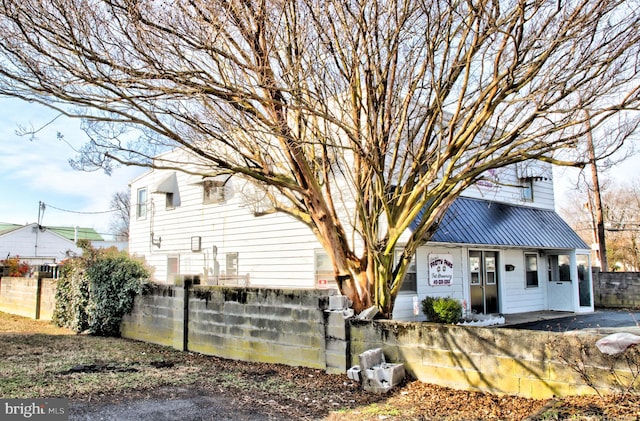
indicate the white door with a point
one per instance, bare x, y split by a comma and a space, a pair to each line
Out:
560, 288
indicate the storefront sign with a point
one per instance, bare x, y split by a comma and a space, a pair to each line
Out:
440, 269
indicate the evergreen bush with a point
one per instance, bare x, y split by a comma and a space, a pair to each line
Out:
442, 309
95, 291
72, 296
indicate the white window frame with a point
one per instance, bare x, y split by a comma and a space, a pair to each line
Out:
169, 201
170, 273
526, 192
213, 192
231, 264
324, 276
141, 205
412, 271
527, 255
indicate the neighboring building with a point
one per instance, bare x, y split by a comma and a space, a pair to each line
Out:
39, 245
501, 247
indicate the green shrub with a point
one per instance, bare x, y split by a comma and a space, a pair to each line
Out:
427, 308
442, 309
115, 281
72, 297
96, 290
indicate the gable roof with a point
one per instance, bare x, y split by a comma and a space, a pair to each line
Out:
83, 233
481, 222
68, 233
4, 228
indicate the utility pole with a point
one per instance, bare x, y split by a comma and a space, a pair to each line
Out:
599, 218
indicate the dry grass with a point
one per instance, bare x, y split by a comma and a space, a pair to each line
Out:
38, 359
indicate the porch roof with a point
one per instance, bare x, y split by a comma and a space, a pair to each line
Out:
482, 222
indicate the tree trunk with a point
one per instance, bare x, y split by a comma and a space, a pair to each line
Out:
602, 246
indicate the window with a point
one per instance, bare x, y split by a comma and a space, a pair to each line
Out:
559, 268
527, 189
141, 208
173, 266
410, 281
531, 268
232, 264
169, 201
323, 270
213, 191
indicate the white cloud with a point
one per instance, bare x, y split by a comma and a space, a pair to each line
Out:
37, 169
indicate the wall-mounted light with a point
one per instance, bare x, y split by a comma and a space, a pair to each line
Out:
509, 268
156, 241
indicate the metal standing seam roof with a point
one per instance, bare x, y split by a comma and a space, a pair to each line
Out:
474, 221
82, 233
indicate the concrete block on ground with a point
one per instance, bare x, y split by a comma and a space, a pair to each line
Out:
383, 378
371, 358
354, 373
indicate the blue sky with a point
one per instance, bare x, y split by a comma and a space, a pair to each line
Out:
34, 170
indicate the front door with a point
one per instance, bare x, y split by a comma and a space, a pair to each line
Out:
483, 281
560, 290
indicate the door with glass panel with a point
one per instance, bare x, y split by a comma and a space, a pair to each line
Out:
560, 291
483, 280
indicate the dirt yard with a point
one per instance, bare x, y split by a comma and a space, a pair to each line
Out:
99, 375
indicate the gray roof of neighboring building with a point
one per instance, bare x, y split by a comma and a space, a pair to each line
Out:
481, 222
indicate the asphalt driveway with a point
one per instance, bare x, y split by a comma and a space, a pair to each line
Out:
603, 321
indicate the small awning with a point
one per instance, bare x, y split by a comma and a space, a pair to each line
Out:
222, 179
533, 170
481, 222
167, 185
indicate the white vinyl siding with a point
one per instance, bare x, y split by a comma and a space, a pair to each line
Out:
278, 251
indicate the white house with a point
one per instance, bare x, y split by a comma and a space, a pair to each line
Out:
501, 247
39, 245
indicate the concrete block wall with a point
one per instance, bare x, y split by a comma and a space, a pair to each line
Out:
616, 289
28, 297
497, 360
47, 298
259, 324
250, 324
337, 340
157, 317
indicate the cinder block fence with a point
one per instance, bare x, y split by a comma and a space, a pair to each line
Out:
29, 297
292, 327
497, 360
299, 328
616, 289
295, 327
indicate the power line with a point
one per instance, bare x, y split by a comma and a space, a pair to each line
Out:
81, 212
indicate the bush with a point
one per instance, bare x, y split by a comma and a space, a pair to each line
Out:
442, 309
115, 281
95, 291
72, 296
13, 267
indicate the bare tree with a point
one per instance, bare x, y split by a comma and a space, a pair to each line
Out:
359, 118
121, 204
620, 221
622, 216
